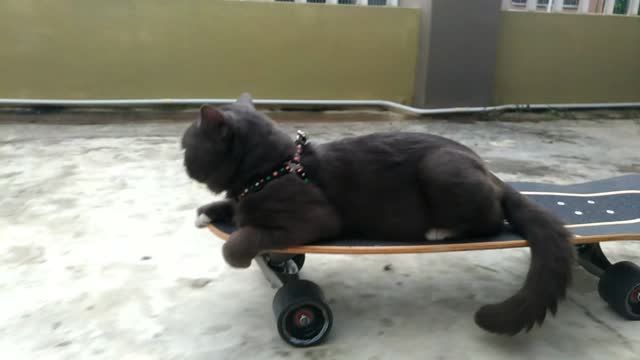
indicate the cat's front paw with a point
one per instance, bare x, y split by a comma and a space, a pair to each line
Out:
202, 220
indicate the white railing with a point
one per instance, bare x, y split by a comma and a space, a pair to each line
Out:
579, 6
393, 3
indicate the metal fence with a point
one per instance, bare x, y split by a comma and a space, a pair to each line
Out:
393, 3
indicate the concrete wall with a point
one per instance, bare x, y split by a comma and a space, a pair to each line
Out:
195, 48
95, 49
565, 58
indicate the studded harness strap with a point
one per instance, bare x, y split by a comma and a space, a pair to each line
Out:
291, 166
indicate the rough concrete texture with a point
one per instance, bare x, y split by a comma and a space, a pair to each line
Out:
99, 257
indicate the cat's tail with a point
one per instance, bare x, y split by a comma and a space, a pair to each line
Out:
552, 256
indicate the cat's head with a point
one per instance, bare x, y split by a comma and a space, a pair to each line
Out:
226, 143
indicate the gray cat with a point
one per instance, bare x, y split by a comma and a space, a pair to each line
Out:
387, 186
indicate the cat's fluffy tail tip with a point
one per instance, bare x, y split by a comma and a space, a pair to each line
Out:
512, 317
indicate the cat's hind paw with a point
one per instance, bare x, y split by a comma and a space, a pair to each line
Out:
438, 234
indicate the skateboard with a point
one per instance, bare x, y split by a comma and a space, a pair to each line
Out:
595, 212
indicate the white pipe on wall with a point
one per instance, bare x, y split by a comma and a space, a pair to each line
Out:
308, 103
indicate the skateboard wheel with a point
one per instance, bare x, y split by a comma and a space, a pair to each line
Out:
302, 316
620, 288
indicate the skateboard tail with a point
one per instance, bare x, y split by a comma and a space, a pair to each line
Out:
549, 274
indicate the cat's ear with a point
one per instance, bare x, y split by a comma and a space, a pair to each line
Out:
246, 99
212, 119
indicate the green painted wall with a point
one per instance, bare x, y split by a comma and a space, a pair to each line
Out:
82, 49
565, 58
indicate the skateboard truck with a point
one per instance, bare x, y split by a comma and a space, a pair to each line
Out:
279, 268
302, 315
592, 259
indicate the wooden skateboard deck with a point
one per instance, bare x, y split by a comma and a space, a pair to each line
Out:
596, 211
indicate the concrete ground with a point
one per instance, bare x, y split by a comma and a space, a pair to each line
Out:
99, 257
